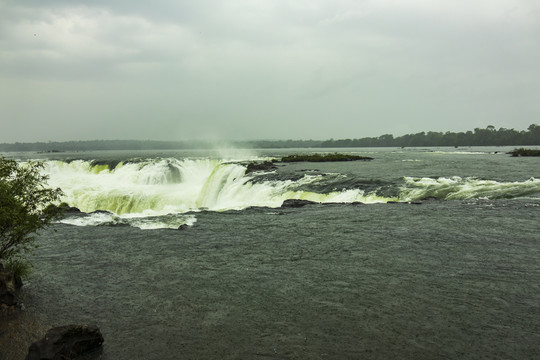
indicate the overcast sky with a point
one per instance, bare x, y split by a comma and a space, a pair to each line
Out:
265, 69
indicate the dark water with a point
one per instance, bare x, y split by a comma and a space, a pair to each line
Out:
453, 277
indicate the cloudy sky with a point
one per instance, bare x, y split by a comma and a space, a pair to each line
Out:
265, 69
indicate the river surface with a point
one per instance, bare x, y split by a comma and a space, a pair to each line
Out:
417, 254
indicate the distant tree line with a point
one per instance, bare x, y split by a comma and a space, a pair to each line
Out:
479, 137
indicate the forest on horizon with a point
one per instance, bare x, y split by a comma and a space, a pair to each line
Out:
490, 136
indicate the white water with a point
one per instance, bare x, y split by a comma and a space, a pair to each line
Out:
157, 193
171, 186
457, 188
145, 223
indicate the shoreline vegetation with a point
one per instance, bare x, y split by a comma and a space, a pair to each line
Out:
489, 136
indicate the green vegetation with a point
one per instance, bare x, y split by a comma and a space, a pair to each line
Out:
324, 158
479, 137
524, 152
26, 205
18, 267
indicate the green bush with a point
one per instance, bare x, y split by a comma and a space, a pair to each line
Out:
18, 267
26, 205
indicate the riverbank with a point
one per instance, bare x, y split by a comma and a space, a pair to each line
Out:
18, 330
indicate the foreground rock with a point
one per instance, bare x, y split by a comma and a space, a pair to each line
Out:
66, 342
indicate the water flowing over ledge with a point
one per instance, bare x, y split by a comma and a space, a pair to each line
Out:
159, 192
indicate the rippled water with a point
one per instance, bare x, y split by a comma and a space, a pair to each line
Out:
457, 276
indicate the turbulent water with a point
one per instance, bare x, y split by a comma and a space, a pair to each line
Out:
152, 192
419, 253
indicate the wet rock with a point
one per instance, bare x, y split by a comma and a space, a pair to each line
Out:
430, 198
71, 210
183, 227
296, 203
9, 286
66, 342
324, 157
524, 152
354, 203
66, 209
7, 297
101, 212
257, 208
115, 224
265, 166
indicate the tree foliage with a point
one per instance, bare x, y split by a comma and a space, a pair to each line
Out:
26, 205
479, 137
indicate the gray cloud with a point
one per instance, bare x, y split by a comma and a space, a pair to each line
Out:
261, 69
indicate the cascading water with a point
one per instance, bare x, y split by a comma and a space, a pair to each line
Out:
164, 186
162, 190
457, 188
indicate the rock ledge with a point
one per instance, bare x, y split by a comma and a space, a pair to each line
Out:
66, 342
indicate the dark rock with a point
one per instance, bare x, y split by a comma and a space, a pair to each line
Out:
71, 211
257, 208
183, 227
430, 198
296, 203
9, 285
115, 224
66, 209
334, 203
66, 342
324, 158
18, 282
354, 203
100, 212
524, 152
265, 166
110, 163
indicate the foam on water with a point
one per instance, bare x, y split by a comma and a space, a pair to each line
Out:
154, 188
164, 186
142, 222
457, 188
